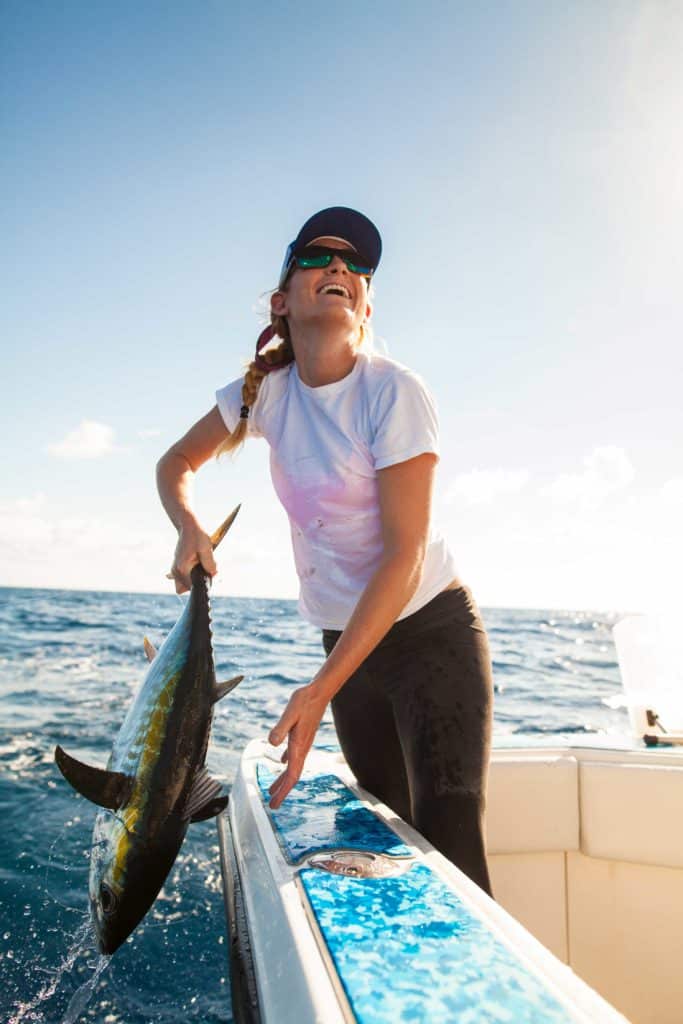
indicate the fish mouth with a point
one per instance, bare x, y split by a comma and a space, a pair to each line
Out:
113, 925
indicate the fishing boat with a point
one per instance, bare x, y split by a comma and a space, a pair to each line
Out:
339, 911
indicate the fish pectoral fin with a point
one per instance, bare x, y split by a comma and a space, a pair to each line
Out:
150, 649
211, 809
224, 688
204, 791
104, 788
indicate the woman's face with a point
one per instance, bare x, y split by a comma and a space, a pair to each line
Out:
325, 294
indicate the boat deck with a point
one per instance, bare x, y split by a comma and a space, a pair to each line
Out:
359, 919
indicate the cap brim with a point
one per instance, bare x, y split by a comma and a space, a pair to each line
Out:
347, 225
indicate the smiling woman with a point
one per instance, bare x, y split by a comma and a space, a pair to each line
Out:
354, 449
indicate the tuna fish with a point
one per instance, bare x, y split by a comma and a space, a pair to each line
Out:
156, 782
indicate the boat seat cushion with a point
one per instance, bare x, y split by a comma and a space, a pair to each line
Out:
532, 804
632, 812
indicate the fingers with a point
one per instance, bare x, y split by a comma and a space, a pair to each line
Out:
294, 757
279, 790
181, 569
194, 547
278, 733
298, 725
283, 786
181, 585
207, 560
182, 582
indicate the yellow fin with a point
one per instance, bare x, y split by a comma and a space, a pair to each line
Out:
220, 533
150, 649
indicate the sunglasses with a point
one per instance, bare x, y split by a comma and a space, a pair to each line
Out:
315, 256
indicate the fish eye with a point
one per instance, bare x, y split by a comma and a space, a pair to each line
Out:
107, 899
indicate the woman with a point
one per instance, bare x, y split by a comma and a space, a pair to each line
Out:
353, 441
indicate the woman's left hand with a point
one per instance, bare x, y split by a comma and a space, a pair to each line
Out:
298, 725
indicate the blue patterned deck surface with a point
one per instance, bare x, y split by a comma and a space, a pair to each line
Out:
407, 949
321, 813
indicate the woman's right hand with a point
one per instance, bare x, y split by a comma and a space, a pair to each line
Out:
193, 547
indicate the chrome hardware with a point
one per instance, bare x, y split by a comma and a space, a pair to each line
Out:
360, 864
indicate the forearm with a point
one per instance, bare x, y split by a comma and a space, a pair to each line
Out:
175, 479
176, 469
385, 596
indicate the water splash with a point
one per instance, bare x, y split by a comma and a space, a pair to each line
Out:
83, 994
53, 864
82, 943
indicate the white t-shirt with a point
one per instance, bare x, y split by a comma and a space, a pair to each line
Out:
326, 445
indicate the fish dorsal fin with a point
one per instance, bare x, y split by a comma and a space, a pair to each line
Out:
220, 533
204, 791
150, 649
224, 688
106, 789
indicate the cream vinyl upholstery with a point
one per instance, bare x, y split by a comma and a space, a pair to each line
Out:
632, 813
533, 804
586, 851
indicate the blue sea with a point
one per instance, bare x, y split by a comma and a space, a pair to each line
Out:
71, 661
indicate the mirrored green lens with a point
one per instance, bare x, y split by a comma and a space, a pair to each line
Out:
319, 257
356, 268
308, 262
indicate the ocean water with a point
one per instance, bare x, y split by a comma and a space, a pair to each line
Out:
70, 662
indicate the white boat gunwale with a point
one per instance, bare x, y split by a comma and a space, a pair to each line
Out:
257, 836
274, 976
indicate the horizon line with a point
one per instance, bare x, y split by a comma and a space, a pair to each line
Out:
565, 609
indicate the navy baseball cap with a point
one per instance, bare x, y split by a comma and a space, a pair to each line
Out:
342, 223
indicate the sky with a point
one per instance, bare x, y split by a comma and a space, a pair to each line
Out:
524, 164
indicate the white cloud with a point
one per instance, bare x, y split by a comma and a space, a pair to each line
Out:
672, 491
481, 486
23, 506
90, 440
610, 544
23, 523
44, 545
606, 470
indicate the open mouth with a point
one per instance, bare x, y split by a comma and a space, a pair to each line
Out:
335, 289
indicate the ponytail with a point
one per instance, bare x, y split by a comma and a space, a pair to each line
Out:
264, 362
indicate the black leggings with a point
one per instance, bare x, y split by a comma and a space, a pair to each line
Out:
414, 723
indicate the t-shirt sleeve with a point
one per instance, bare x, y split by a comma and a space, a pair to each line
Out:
404, 421
229, 402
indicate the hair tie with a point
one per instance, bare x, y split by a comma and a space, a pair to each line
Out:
264, 338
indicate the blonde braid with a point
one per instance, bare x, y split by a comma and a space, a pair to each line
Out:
279, 356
